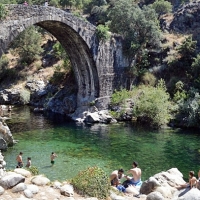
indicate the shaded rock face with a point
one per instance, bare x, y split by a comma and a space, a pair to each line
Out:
186, 20
6, 138
98, 66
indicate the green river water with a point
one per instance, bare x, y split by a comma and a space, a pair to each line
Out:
110, 147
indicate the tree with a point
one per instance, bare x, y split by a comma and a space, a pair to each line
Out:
28, 47
138, 27
161, 7
68, 3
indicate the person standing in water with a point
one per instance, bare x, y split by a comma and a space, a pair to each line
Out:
19, 160
28, 162
53, 156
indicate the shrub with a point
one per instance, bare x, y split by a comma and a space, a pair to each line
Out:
152, 105
162, 7
120, 96
3, 11
25, 96
148, 79
8, 74
57, 77
93, 182
34, 170
189, 110
3, 62
103, 32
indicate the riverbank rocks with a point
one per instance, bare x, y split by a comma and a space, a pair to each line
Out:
10, 180
162, 187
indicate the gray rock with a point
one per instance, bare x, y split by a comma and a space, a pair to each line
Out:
9, 181
19, 187
2, 190
114, 196
33, 188
149, 185
193, 194
67, 190
23, 172
155, 196
28, 193
40, 180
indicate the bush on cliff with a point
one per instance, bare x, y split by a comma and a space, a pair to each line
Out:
3, 11
93, 182
152, 105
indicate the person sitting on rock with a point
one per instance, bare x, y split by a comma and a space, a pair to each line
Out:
135, 179
191, 183
115, 177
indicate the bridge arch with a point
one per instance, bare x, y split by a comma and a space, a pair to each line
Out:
75, 35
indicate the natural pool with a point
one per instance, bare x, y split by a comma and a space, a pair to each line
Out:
110, 147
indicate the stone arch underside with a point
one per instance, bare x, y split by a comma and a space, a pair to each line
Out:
75, 35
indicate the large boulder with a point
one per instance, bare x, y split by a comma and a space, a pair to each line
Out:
40, 180
155, 196
6, 138
10, 180
23, 172
149, 185
67, 190
19, 187
188, 194
164, 183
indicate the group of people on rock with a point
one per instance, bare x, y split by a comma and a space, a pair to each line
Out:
20, 163
133, 180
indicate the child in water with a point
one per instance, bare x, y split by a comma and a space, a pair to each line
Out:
28, 162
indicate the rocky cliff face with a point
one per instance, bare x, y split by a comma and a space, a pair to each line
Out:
186, 20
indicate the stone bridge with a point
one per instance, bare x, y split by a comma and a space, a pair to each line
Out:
97, 65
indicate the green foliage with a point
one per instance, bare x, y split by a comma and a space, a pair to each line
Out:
3, 62
93, 182
115, 114
57, 77
25, 96
189, 110
162, 7
196, 66
152, 105
148, 79
120, 96
8, 74
102, 32
3, 11
28, 47
59, 51
188, 47
139, 27
33, 169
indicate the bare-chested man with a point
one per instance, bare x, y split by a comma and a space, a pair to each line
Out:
19, 160
136, 173
115, 177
